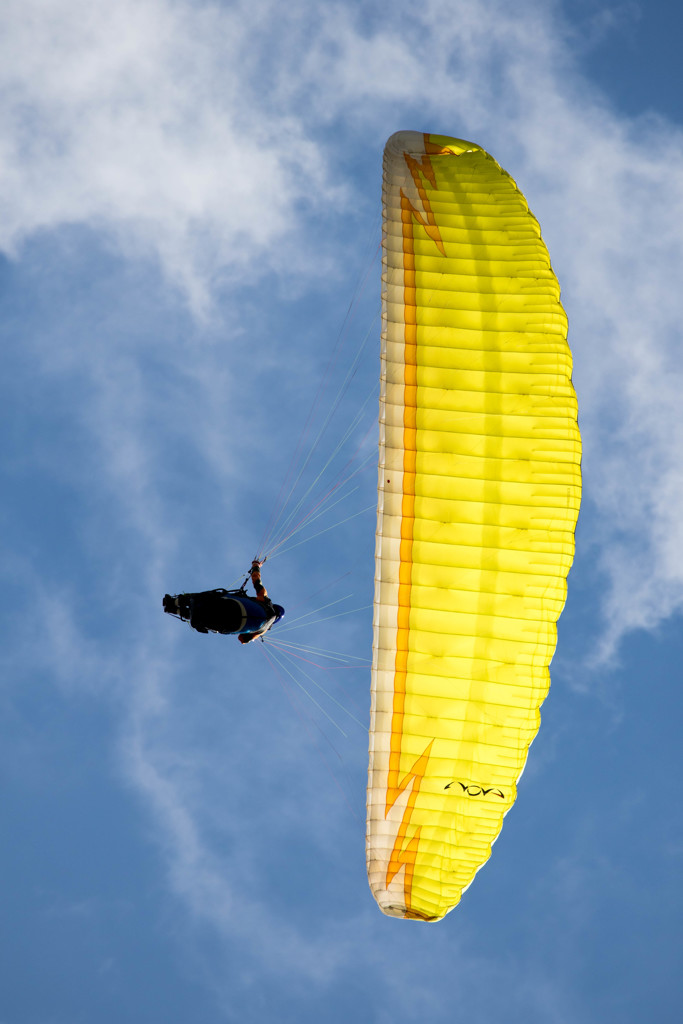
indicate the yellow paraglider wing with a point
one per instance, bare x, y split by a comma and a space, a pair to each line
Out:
479, 490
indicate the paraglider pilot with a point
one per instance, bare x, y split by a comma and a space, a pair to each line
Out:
228, 611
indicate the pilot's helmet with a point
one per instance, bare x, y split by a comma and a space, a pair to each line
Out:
279, 612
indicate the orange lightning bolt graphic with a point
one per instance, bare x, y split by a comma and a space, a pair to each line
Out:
405, 849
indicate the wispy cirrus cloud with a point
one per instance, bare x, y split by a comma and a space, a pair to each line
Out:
141, 121
181, 132
222, 142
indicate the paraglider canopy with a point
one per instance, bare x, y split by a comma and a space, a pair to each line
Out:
478, 495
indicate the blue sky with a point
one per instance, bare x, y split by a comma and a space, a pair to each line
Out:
190, 196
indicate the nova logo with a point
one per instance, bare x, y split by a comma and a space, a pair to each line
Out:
474, 789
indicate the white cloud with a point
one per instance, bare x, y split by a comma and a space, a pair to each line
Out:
139, 119
195, 135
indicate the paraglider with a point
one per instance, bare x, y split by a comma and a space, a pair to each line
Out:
228, 611
478, 497
479, 488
